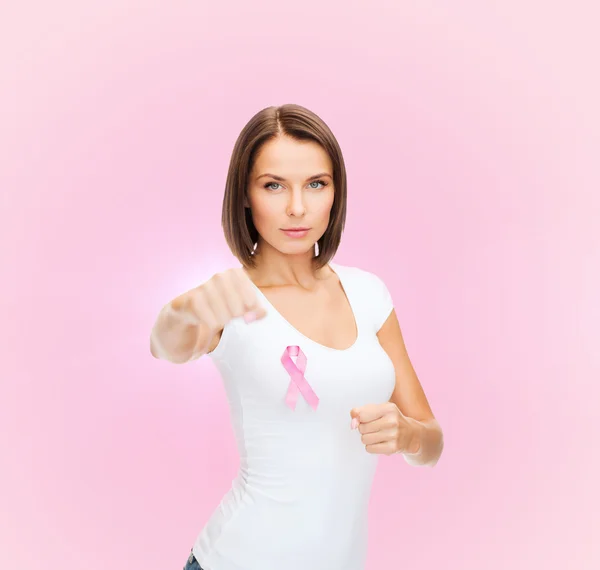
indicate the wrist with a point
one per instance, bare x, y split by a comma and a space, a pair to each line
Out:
415, 446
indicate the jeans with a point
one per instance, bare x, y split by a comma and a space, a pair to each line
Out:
192, 563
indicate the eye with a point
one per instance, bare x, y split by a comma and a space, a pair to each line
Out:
269, 185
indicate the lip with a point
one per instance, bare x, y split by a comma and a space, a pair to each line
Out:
296, 233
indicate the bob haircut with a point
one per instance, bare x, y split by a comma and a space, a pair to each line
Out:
299, 124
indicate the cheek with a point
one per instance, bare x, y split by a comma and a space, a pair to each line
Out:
324, 207
265, 213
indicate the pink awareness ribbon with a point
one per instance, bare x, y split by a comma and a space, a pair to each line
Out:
298, 381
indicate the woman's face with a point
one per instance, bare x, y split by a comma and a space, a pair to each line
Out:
290, 186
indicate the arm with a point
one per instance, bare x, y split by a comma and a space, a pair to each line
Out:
408, 395
428, 443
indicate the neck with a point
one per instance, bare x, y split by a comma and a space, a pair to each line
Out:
276, 269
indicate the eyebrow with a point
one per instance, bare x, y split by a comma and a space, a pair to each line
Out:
322, 175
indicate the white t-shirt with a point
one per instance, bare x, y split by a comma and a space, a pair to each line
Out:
301, 495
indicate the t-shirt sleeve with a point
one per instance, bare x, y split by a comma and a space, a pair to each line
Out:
383, 303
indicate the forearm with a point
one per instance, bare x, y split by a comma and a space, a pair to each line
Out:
427, 444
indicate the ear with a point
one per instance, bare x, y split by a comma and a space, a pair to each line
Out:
246, 203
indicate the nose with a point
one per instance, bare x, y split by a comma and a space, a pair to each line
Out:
296, 204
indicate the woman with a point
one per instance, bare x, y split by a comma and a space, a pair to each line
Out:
301, 496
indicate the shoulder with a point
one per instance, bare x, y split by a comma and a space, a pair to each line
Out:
363, 278
371, 290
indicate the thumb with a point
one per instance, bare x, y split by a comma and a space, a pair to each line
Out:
257, 312
355, 418
260, 312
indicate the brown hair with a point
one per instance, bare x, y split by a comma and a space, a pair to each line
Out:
300, 124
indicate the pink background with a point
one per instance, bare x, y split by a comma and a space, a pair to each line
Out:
471, 136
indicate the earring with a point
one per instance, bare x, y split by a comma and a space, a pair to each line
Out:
254, 248
316, 249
